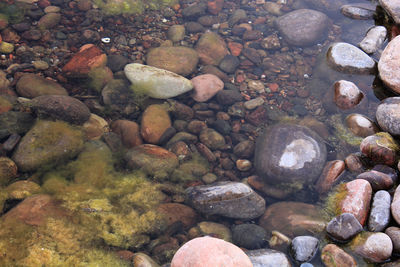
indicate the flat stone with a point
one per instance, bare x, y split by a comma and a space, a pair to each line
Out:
389, 62
377, 179
155, 82
268, 258
347, 58
379, 216
392, 7
303, 27
343, 227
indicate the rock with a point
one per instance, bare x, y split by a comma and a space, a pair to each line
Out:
212, 139
392, 8
381, 148
211, 48
155, 121
128, 131
116, 62
254, 103
253, 55
194, 11
196, 126
330, 174
228, 97
177, 59
180, 111
229, 199
155, 82
304, 248
359, 10
194, 27
354, 163
243, 165
395, 206
303, 27
333, 256
13, 122
379, 216
47, 143
31, 85
211, 229
175, 212
347, 58
222, 126
249, 236
394, 234
229, 64
205, 86
82, 63
176, 33
118, 97
293, 219
140, 259
373, 39
215, 6
361, 125
244, 149
20, 190
289, 154
387, 115
182, 136
374, 247
211, 69
60, 107
347, 94
377, 179
6, 103
268, 258
237, 16
355, 199
6, 48
49, 21
210, 252
152, 159
343, 227
95, 127
8, 170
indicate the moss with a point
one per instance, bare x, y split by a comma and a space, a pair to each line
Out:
190, 170
387, 141
341, 132
116, 7
98, 78
332, 202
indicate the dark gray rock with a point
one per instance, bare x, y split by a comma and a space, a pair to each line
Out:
228, 97
343, 227
268, 258
304, 248
249, 236
379, 216
229, 199
194, 11
229, 64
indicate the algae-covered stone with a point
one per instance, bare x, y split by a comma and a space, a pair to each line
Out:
211, 229
211, 48
48, 143
8, 170
178, 59
22, 189
155, 82
155, 121
49, 21
6, 48
31, 85
14, 122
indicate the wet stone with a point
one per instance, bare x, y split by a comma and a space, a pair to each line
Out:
381, 148
389, 63
176, 33
303, 27
374, 39
359, 11
237, 16
117, 96
211, 48
392, 7
8, 170
249, 236
128, 131
141, 259
343, 227
377, 179
254, 103
347, 58
374, 247
212, 139
31, 85
268, 258
194, 11
13, 122
379, 216
176, 212
205, 86
229, 64
228, 199
194, 27
387, 115
116, 62
394, 233
395, 206
361, 125
155, 122
211, 229
333, 256
330, 174
304, 248
228, 97
347, 94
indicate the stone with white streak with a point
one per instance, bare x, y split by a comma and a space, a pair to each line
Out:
373, 40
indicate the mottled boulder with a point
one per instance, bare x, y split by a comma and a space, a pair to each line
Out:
211, 48
229, 199
32, 85
303, 27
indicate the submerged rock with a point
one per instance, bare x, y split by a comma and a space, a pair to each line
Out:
13, 122
387, 115
155, 122
155, 82
268, 258
374, 39
211, 48
374, 247
343, 227
393, 8
32, 85
361, 125
249, 236
359, 10
347, 94
381, 148
333, 256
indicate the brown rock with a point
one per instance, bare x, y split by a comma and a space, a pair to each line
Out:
31, 85
128, 132
354, 163
361, 125
330, 174
211, 48
175, 212
214, 7
377, 179
347, 94
95, 127
155, 121
333, 256
8, 170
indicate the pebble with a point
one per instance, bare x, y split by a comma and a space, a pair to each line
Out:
268, 258
361, 125
359, 11
333, 256
128, 131
206, 86
229, 64
243, 165
343, 227
212, 139
387, 115
6, 47
379, 216
176, 33
304, 248
347, 94
176, 212
211, 48
377, 179
374, 247
373, 39
249, 236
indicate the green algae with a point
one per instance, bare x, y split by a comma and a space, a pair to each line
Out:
116, 7
341, 132
333, 200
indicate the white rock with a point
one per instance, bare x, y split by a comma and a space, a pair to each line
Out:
373, 40
155, 82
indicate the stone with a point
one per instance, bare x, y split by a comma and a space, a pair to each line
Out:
212, 139
394, 233
116, 62
373, 39
392, 8
13, 122
196, 126
374, 247
176, 33
128, 131
153, 160
249, 236
194, 11
387, 115
176, 212
228, 199
155, 121
8, 170
194, 27
343, 227
49, 21
243, 165
48, 143
237, 16
304, 248
347, 58
31, 85
210, 252
360, 125
379, 216
177, 59
211, 229
82, 63
268, 258
347, 94
206, 86
377, 179
395, 206
118, 97
254, 103
211, 48
6, 48
95, 127
60, 107
215, 6
293, 219
180, 111
355, 199
244, 149
381, 148
303, 27
354, 163
140, 259
359, 10
330, 175
333, 256
20, 190
155, 82
229, 64
289, 154
228, 97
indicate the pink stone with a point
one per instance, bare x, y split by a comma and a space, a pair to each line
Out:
331, 172
395, 207
210, 252
358, 198
206, 86
347, 94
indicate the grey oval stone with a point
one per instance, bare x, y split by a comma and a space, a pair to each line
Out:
304, 248
388, 115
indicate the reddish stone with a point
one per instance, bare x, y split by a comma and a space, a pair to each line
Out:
332, 171
88, 58
125, 255
128, 132
235, 48
273, 87
44, 3
380, 148
214, 7
357, 199
333, 256
175, 212
258, 116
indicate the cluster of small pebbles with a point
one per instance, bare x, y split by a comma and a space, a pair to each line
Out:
245, 113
